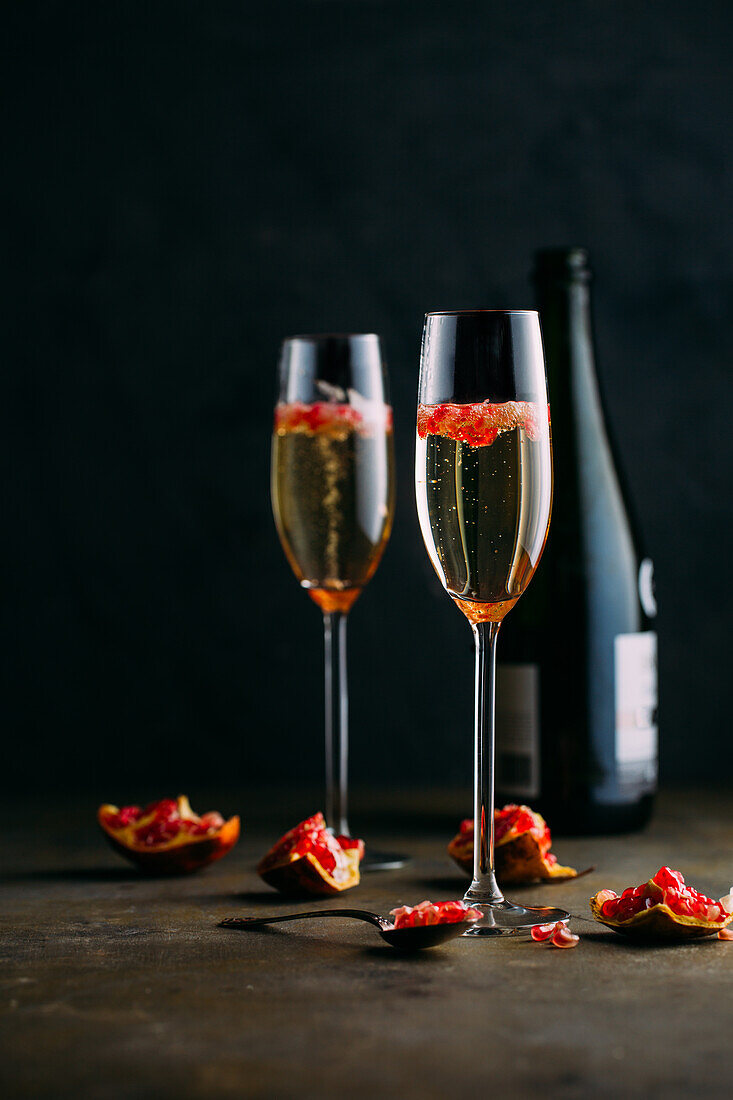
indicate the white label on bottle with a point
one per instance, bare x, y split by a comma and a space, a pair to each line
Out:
518, 730
635, 658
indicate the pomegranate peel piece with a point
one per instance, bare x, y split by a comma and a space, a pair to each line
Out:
167, 837
664, 908
308, 859
522, 842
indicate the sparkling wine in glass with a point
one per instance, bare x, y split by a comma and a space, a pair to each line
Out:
333, 500
483, 477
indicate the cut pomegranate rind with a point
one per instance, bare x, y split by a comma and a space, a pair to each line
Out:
522, 841
662, 908
725, 934
480, 424
167, 837
428, 912
332, 418
310, 860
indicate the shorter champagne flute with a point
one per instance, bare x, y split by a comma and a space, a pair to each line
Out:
333, 500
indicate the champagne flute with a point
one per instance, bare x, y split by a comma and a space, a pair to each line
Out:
333, 500
483, 478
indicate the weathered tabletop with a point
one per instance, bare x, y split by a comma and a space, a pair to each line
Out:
116, 986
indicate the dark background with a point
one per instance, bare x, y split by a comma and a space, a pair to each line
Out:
185, 184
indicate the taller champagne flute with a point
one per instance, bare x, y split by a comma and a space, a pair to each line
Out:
483, 476
333, 500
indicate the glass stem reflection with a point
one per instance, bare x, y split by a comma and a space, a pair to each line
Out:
484, 889
337, 722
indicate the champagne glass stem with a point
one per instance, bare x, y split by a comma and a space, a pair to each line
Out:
483, 889
337, 721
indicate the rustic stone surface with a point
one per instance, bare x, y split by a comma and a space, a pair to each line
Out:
114, 986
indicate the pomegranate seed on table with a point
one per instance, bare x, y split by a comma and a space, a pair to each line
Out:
563, 937
558, 935
542, 932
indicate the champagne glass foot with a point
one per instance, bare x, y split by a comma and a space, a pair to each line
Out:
503, 918
375, 860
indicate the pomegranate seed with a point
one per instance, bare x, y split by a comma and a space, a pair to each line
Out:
163, 808
128, 814
542, 932
665, 877
625, 908
563, 937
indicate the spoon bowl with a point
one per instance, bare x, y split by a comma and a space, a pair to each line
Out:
403, 939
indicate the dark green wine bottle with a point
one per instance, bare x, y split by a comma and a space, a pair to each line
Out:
577, 678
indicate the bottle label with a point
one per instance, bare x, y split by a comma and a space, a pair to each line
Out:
635, 657
518, 730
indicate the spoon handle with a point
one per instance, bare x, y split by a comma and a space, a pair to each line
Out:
254, 922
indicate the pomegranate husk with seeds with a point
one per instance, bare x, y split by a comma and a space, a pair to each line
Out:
167, 837
310, 860
663, 908
521, 848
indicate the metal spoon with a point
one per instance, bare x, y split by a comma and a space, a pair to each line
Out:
404, 939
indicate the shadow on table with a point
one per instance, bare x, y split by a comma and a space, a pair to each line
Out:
73, 874
626, 943
339, 940
268, 897
383, 951
276, 901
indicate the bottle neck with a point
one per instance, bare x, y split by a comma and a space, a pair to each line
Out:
582, 450
564, 307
